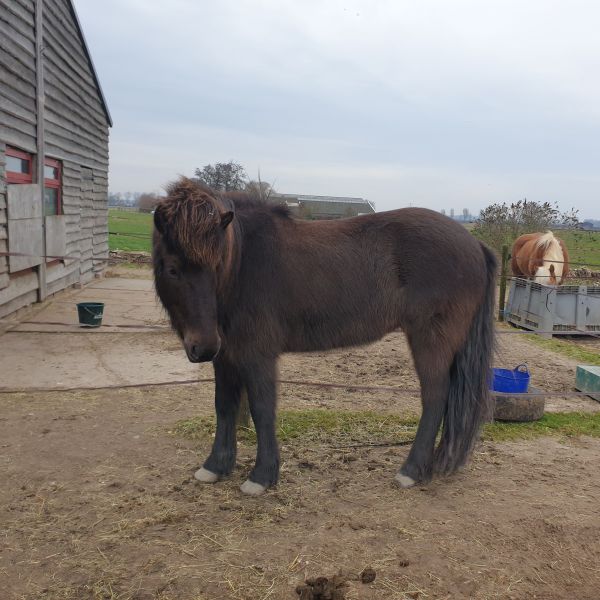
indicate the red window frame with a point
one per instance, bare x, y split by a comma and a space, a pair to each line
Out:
55, 183
12, 176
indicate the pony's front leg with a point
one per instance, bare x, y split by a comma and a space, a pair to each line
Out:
228, 388
260, 377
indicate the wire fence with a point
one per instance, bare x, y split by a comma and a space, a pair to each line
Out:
113, 258
144, 326
145, 236
75, 257
149, 236
140, 259
402, 391
323, 385
570, 263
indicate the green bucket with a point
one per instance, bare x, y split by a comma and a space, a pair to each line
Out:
90, 313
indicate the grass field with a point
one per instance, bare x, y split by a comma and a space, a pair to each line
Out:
568, 348
129, 231
583, 246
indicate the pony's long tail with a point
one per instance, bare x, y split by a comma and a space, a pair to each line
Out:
469, 401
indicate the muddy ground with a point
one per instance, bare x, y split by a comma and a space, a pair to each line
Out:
98, 502
97, 498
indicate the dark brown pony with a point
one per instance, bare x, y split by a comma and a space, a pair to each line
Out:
540, 256
243, 282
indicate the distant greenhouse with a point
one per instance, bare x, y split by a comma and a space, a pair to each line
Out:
324, 207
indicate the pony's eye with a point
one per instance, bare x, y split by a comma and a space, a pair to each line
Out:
172, 272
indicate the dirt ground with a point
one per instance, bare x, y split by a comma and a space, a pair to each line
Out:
98, 501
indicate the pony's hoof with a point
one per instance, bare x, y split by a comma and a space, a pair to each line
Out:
404, 481
252, 489
206, 476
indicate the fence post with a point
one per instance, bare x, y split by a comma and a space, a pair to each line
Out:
503, 272
244, 411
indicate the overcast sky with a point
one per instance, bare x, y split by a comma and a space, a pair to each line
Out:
431, 103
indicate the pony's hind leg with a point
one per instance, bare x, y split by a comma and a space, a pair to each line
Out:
228, 387
432, 361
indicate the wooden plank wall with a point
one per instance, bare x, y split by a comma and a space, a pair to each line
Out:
76, 133
17, 73
18, 122
4, 278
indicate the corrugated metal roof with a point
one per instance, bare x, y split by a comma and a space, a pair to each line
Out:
325, 199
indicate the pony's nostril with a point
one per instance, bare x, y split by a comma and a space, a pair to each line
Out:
207, 356
198, 353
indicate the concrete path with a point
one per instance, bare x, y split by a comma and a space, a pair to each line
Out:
47, 348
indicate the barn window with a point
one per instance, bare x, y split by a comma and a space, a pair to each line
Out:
18, 166
52, 187
19, 169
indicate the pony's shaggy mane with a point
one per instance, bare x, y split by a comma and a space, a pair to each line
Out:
253, 200
189, 219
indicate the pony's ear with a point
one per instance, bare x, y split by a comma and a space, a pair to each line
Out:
226, 218
159, 221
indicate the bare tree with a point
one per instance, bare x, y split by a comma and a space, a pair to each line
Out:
501, 224
147, 202
224, 177
260, 189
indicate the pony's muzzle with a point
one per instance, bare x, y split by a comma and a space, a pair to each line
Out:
197, 352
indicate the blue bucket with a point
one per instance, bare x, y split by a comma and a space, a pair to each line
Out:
511, 380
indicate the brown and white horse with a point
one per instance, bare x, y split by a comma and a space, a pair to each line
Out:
540, 256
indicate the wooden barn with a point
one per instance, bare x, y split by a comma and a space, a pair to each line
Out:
54, 125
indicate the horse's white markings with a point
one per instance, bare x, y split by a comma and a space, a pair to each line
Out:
553, 256
251, 488
405, 481
206, 476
